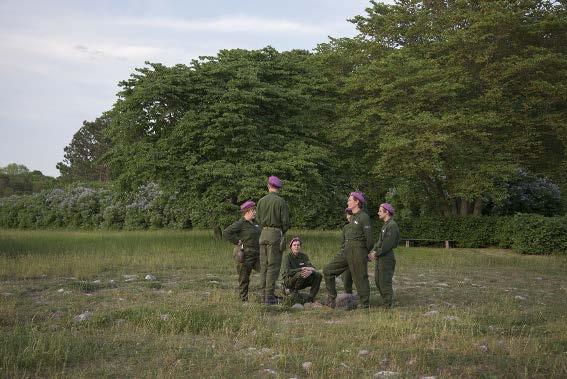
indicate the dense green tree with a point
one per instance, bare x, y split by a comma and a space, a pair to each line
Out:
453, 96
84, 156
435, 105
212, 132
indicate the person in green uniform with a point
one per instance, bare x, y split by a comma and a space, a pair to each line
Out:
273, 216
346, 276
383, 254
245, 234
358, 242
298, 272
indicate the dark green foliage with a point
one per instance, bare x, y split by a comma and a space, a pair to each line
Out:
465, 231
84, 156
212, 133
17, 179
524, 233
449, 98
536, 234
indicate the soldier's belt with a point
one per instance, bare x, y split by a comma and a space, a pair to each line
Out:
271, 227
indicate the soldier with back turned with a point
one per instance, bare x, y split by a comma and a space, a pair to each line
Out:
273, 216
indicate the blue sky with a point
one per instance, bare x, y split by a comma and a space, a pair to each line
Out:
61, 60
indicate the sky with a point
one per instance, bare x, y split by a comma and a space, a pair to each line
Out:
61, 61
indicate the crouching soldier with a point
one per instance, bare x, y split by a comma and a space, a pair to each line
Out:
298, 272
245, 234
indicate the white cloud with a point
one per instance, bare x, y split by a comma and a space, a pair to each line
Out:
37, 54
225, 24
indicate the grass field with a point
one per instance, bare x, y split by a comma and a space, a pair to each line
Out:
459, 313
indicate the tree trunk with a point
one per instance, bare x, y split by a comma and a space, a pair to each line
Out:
464, 211
454, 207
477, 211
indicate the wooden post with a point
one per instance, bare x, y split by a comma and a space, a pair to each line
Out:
407, 243
447, 245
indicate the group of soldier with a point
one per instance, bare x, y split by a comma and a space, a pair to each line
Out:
259, 244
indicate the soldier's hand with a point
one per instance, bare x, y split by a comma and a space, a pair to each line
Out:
305, 273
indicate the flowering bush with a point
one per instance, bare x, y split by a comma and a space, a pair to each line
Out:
84, 207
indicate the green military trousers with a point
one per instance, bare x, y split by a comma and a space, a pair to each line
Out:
270, 260
244, 269
347, 281
297, 282
355, 259
384, 272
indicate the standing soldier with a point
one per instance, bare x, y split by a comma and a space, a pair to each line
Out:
245, 233
273, 216
383, 254
357, 244
346, 276
298, 272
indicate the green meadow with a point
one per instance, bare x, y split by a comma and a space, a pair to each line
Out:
78, 304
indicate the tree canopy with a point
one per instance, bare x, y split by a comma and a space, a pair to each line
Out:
213, 131
459, 95
434, 105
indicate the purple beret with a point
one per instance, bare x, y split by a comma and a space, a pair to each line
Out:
247, 205
274, 181
358, 196
348, 211
293, 240
388, 207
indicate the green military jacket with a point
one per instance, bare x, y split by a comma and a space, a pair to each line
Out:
248, 232
292, 264
359, 229
272, 211
389, 238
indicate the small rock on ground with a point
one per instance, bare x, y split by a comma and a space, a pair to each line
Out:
83, 316
450, 318
387, 374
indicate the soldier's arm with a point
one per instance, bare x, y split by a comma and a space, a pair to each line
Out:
260, 213
378, 245
287, 266
391, 238
286, 222
231, 233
